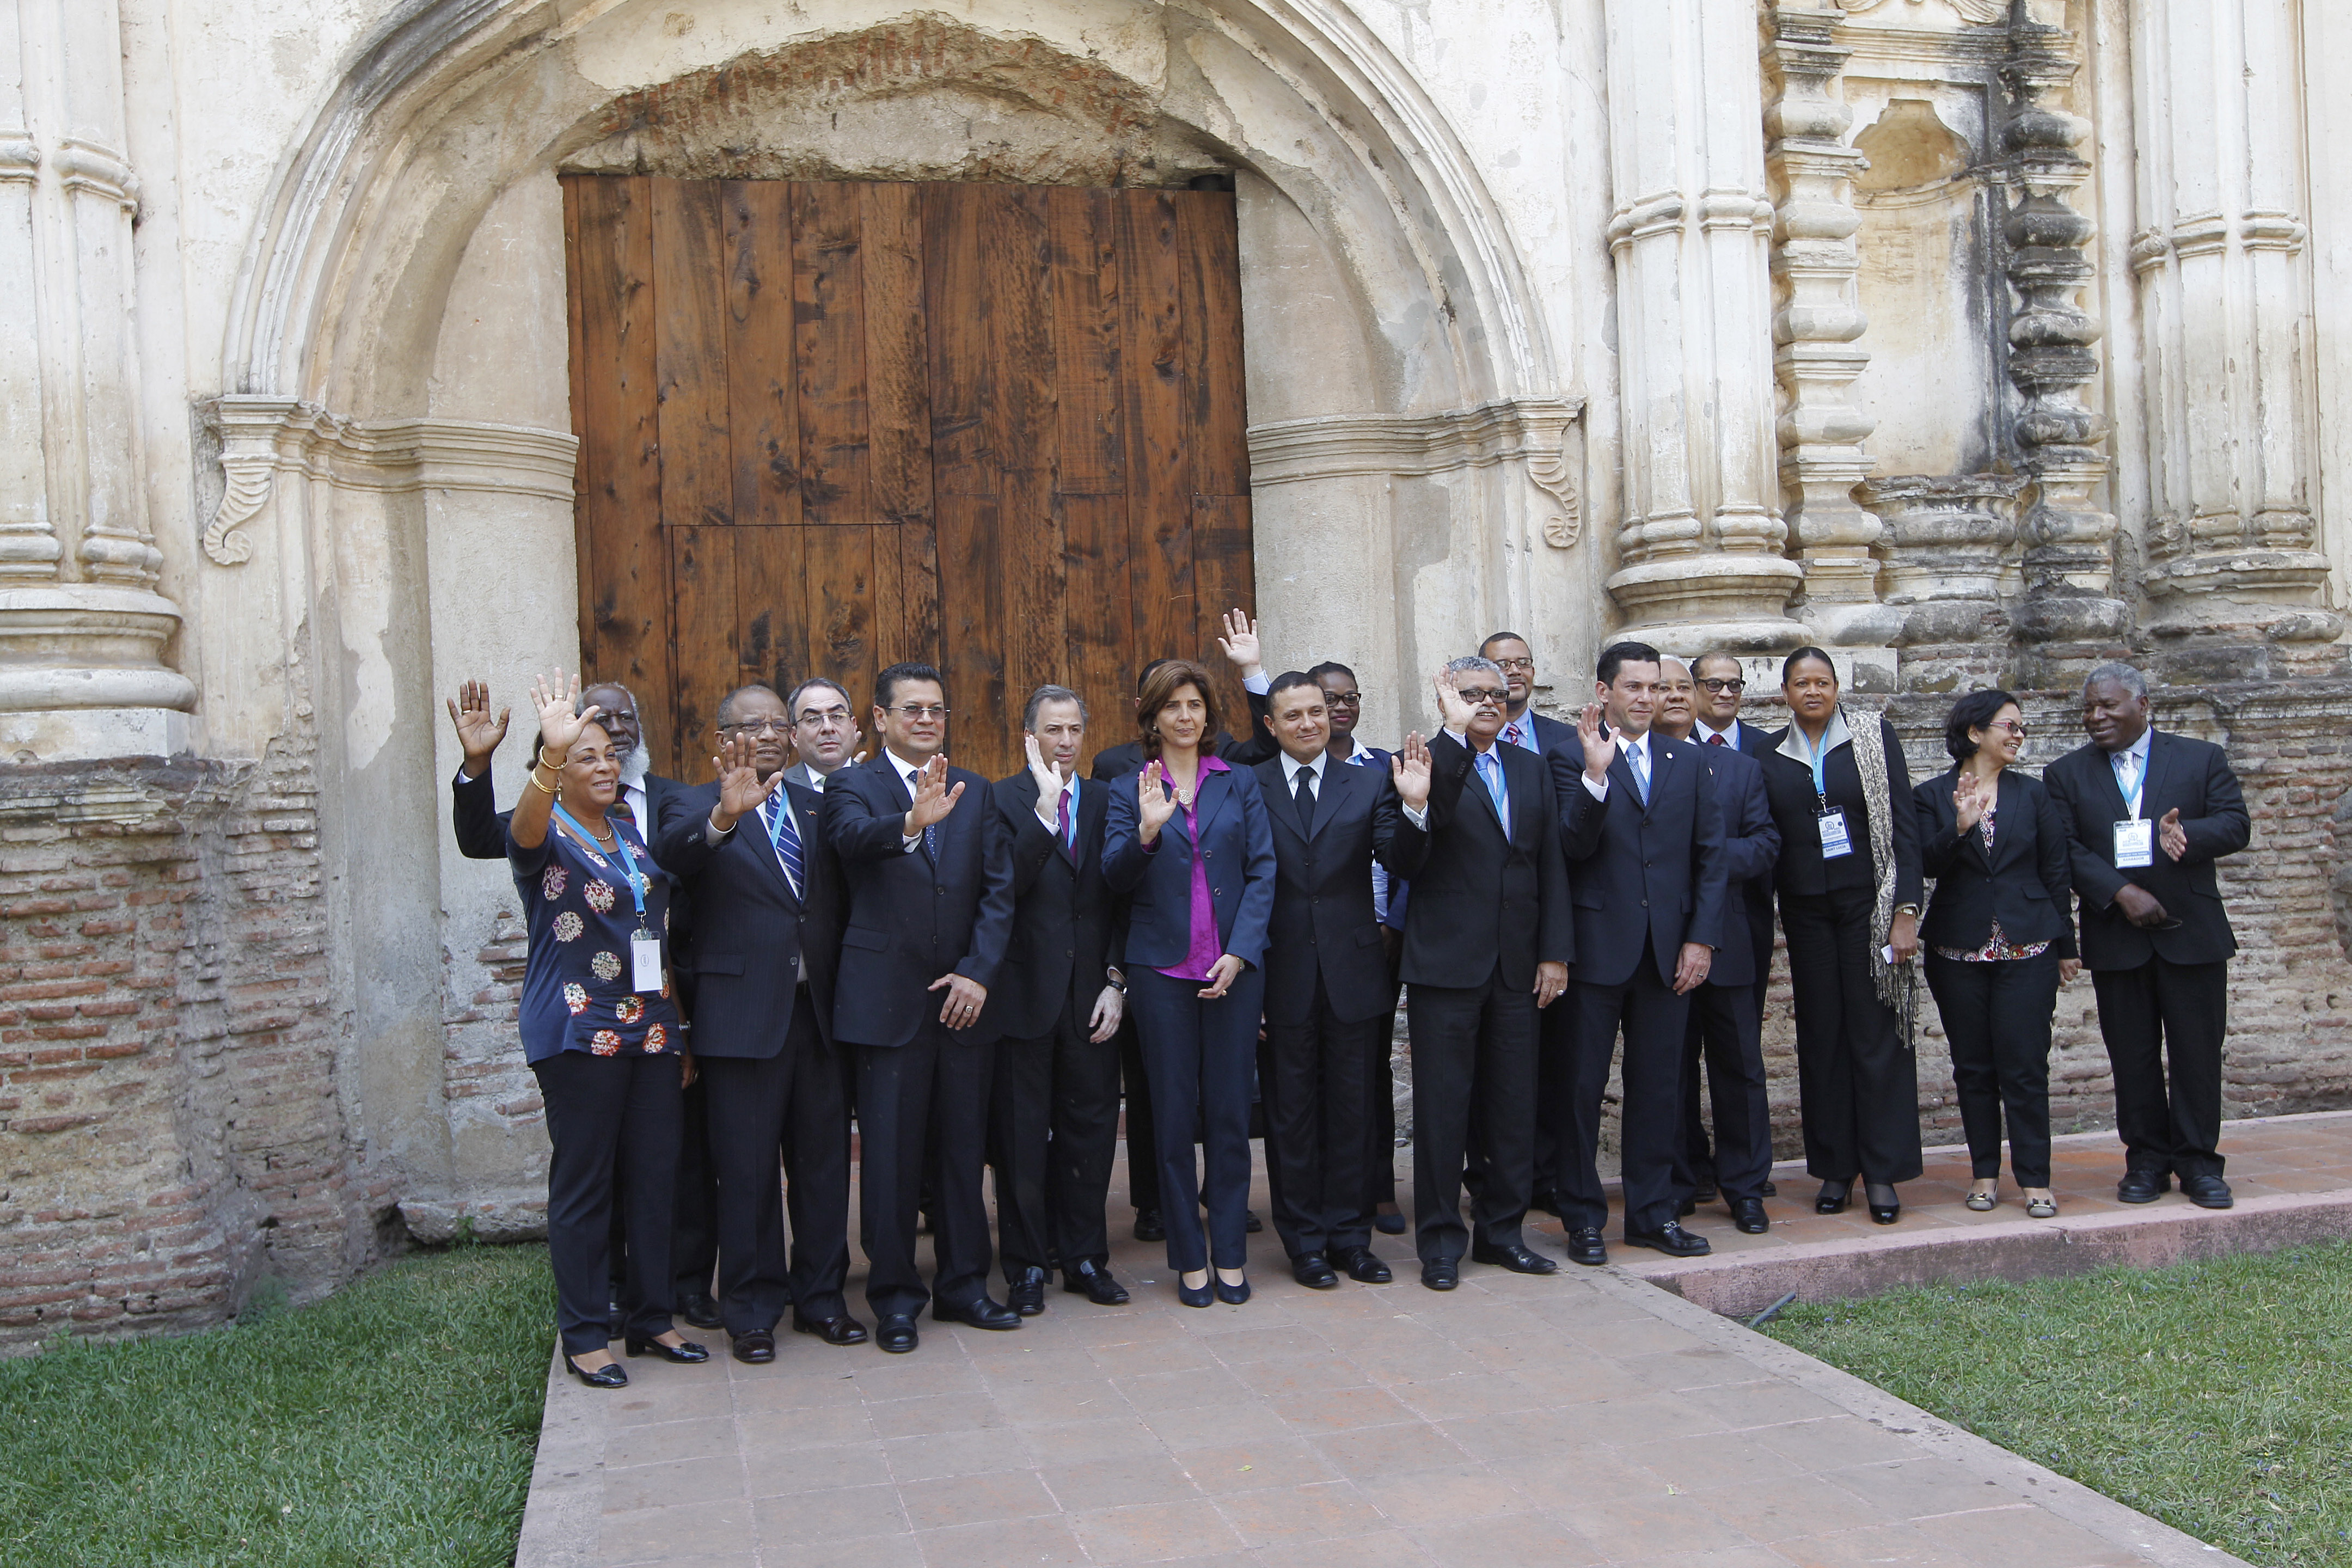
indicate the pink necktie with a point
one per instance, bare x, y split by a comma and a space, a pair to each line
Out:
1715, 740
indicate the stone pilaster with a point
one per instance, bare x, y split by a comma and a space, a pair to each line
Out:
1817, 317
82, 628
1949, 569
1700, 549
2069, 615
2237, 584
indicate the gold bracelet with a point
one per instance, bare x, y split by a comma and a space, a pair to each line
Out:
535, 779
557, 765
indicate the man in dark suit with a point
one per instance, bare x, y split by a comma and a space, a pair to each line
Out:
1486, 944
825, 733
1326, 979
1644, 839
929, 911
762, 1034
1055, 1005
2149, 814
1724, 1030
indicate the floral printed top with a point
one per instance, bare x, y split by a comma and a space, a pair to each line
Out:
1998, 948
575, 985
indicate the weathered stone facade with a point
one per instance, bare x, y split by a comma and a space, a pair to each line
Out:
1976, 340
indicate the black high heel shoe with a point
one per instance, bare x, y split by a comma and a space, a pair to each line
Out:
1231, 1294
1833, 1196
1199, 1295
1885, 1207
688, 1353
609, 1375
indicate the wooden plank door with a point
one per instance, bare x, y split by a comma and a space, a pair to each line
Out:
825, 426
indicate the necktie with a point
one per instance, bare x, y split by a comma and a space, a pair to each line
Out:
931, 831
1062, 828
1490, 769
1638, 759
1514, 735
1304, 795
1717, 740
785, 835
2127, 780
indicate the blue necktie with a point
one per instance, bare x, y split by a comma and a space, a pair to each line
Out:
1636, 756
1490, 769
785, 835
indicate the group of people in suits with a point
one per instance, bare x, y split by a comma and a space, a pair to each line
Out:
1220, 927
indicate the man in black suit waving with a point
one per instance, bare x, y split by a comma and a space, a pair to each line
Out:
930, 909
1055, 1005
1487, 943
747, 846
1326, 977
2149, 814
1645, 840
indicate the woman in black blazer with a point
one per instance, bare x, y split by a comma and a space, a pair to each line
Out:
1997, 936
1187, 842
1848, 883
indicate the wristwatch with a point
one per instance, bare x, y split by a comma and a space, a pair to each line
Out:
1116, 981
1906, 908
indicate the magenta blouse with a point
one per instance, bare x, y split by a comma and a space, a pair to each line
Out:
1202, 956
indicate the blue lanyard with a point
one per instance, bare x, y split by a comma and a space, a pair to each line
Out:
1821, 773
2138, 785
637, 883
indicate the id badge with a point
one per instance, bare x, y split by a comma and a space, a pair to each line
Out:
1834, 841
2134, 844
645, 963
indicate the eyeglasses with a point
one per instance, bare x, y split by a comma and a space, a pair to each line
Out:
1723, 683
1479, 697
776, 726
1524, 666
921, 709
1344, 699
2012, 725
830, 716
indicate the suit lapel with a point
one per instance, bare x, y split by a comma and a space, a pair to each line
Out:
1326, 798
763, 846
1477, 783
2158, 753
1215, 790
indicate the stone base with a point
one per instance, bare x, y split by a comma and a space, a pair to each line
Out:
92, 734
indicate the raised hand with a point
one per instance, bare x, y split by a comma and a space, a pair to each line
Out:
1154, 804
1452, 711
1409, 770
1240, 642
1049, 783
1600, 751
478, 733
2171, 834
558, 726
740, 789
1969, 799
934, 799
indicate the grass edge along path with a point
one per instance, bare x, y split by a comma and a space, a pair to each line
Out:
393, 1422
2216, 1396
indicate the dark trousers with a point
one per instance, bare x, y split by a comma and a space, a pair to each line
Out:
1379, 1093
1053, 1135
1555, 1086
1142, 1138
2164, 1024
1651, 1018
613, 1123
1201, 1056
796, 1104
1996, 1020
1859, 1087
694, 1233
1725, 1036
1313, 1079
930, 1094
1473, 1084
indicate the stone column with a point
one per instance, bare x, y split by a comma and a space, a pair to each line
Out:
1699, 551
2233, 568
1947, 570
82, 626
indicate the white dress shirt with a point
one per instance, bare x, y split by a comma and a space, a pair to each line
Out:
2131, 771
1292, 767
1705, 732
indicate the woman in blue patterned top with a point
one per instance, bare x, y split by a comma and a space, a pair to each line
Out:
600, 1032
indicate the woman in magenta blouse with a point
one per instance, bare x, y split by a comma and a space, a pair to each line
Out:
1188, 844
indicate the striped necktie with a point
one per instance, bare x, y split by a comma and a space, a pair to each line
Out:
785, 835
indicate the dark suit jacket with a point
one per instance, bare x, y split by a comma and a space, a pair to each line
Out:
1796, 812
756, 928
2193, 775
1250, 750
1062, 927
1237, 847
907, 921
1751, 847
2024, 883
1646, 873
1478, 899
1323, 919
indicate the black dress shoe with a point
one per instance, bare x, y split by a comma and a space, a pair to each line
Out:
1314, 1270
1547, 1201
1518, 1259
1832, 1199
1362, 1265
842, 1331
1442, 1274
1670, 1238
1147, 1226
1234, 1295
1686, 1208
1771, 1190
609, 1375
895, 1333
982, 1313
700, 1311
1255, 1223
2142, 1186
1705, 1193
757, 1348
1747, 1216
1092, 1280
686, 1354
1199, 1295
1389, 1223
2207, 1192
1885, 1207
1585, 1247
1026, 1295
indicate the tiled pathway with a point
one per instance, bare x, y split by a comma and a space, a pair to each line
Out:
1585, 1418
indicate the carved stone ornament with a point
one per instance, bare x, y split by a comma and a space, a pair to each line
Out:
248, 429
1984, 13
1551, 473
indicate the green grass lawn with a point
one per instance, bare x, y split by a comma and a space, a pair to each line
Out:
393, 1423
2217, 1396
